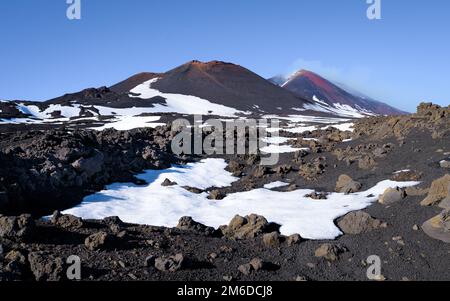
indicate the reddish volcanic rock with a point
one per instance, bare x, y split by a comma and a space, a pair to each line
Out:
307, 84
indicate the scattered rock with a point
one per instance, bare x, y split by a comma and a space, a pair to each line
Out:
415, 191
380, 278
399, 240
114, 223
272, 239
99, 240
380, 152
366, 162
283, 169
90, 166
170, 264
194, 190
188, 224
46, 267
439, 191
345, 184
445, 203
292, 187
317, 195
226, 249
235, 167
311, 170
16, 227
294, 239
245, 269
407, 175
247, 227
168, 183
121, 234
212, 256
252, 160
255, 265
216, 195
260, 171
359, 222
66, 221
392, 195
17, 256
429, 116
438, 227
330, 252
15, 269
48, 168
444, 164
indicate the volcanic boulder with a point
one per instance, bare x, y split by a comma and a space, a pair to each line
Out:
46, 267
330, 252
345, 184
359, 222
439, 227
439, 191
272, 239
90, 166
247, 227
392, 195
171, 264
16, 227
186, 223
99, 240
66, 221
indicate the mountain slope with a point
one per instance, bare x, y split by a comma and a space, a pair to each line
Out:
195, 88
309, 85
221, 83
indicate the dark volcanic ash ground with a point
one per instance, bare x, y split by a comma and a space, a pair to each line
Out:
408, 229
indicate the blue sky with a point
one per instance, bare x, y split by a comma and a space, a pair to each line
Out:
402, 59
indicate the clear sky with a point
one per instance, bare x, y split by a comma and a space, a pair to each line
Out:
402, 59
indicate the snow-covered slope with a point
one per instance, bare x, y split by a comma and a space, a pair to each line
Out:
213, 88
328, 97
183, 104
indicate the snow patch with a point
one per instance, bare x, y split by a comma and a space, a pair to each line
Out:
308, 119
337, 109
301, 129
35, 111
274, 185
183, 104
276, 140
280, 149
125, 123
163, 206
401, 171
344, 127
